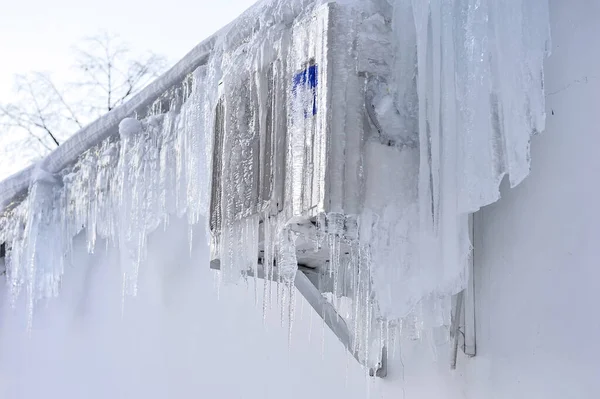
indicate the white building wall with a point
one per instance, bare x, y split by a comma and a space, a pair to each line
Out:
537, 259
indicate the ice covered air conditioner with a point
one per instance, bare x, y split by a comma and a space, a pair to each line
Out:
293, 133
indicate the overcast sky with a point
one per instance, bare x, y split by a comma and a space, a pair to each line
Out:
39, 34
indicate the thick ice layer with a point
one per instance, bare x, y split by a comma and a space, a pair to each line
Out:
468, 76
362, 133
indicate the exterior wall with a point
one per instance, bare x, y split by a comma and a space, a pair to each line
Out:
181, 337
536, 256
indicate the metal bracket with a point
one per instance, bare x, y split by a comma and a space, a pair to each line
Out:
469, 346
305, 284
454, 328
462, 330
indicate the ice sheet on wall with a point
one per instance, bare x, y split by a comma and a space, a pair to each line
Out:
468, 76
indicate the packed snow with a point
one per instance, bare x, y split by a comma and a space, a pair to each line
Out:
384, 123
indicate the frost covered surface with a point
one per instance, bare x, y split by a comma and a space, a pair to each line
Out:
473, 90
363, 133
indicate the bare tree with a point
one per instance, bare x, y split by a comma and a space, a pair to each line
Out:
109, 71
45, 113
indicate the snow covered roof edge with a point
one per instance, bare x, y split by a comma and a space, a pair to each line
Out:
269, 11
106, 125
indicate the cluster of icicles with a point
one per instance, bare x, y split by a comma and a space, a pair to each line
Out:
120, 191
123, 189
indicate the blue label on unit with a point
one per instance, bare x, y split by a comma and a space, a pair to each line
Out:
305, 84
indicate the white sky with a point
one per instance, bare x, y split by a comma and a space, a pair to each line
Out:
39, 34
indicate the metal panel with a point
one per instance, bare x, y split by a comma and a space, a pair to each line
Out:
217, 168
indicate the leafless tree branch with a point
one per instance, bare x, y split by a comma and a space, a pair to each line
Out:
106, 74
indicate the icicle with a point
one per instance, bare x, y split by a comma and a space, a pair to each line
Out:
239, 248
291, 310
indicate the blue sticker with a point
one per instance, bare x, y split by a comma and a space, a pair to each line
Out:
307, 80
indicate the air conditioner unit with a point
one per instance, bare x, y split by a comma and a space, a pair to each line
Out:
293, 132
